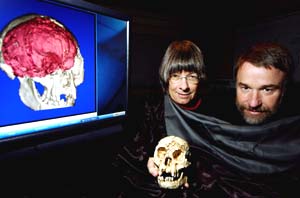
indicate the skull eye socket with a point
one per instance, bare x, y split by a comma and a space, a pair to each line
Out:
161, 152
176, 154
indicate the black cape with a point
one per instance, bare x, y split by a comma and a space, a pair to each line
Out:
265, 149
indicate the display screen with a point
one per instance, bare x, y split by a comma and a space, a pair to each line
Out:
63, 63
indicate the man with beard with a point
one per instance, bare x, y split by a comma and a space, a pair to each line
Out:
262, 74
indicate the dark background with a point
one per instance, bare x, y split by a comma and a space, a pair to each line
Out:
213, 25
82, 168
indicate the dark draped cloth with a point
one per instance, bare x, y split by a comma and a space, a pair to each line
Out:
265, 149
228, 161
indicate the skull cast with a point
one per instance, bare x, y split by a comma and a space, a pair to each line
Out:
171, 156
46, 59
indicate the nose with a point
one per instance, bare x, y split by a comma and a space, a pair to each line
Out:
168, 161
254, 99
183, 84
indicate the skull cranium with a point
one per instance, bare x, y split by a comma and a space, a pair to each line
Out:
46, 59
171, 156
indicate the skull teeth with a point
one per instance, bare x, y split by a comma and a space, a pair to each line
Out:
173, 174
170, 178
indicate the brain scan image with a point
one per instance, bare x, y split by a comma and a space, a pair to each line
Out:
45, 57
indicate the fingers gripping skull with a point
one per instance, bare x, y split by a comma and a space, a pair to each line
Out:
171, 156
39, 50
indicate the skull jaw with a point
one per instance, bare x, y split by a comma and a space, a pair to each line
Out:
171, 182
31, 97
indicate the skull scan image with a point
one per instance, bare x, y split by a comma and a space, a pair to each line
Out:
171, 156
41, 52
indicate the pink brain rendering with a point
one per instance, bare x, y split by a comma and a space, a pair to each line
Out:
38, 47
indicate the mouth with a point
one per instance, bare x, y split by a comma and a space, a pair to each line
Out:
185, 95
254, 112
171, 181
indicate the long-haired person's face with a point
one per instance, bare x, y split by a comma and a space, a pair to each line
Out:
183, 87
258, 92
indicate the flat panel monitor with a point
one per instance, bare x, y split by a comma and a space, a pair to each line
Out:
63, 69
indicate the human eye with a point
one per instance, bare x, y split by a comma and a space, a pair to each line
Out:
268, 90
193, 77
244, 88
175, 76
